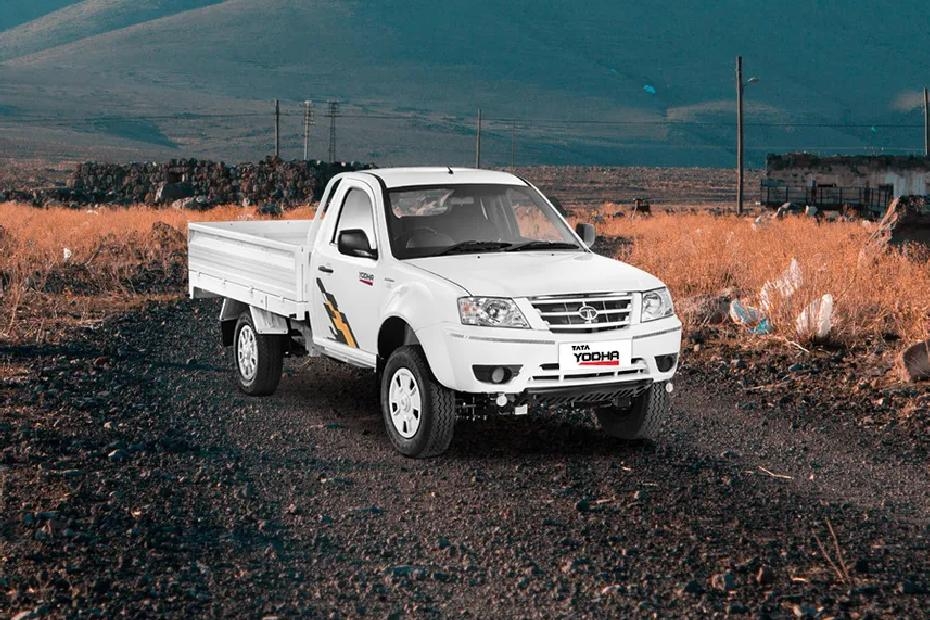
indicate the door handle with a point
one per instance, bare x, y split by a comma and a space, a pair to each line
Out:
325, 269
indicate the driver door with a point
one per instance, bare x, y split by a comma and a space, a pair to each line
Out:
349, 289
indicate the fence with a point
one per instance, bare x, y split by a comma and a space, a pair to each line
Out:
828, 197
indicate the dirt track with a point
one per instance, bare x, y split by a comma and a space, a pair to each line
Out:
136, 480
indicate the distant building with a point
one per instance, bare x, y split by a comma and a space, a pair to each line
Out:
862, 182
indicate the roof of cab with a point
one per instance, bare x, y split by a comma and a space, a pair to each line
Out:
405, 177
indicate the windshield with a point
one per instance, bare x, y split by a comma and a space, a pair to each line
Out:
434, 221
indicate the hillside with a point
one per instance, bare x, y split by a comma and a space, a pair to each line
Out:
657, 78
82, 20
14, 13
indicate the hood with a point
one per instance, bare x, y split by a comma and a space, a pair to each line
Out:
528, 274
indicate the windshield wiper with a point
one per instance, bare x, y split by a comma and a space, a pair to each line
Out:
473, 246
542, 245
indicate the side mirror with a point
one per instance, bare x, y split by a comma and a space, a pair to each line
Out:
355, 243
587, 234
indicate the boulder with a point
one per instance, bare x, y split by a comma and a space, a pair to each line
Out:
272, 209
705, 310
907, 221
914, 362
169, 192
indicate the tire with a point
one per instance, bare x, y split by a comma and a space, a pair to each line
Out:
419, 413
641, 420
257, 374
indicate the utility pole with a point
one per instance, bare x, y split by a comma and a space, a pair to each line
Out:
478, 142
926, 125
739, 135
277, 129
513, 146
333, 113
308, 123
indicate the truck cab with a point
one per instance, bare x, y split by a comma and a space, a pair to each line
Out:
466, 293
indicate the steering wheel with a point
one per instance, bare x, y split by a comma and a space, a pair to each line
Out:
441, 238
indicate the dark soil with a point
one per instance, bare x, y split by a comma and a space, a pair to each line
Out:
137, 481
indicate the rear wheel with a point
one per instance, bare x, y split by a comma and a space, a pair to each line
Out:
257, 359
419, 413
639, 421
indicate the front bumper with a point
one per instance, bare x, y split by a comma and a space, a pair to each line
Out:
453, 349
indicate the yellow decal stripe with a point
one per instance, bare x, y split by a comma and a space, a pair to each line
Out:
340, 323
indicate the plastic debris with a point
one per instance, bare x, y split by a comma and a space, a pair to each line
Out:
66, 254
749, 317
816, 320
650, 89
784, 286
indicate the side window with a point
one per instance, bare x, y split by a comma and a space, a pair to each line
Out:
357, 214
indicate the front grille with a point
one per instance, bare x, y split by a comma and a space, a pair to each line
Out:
563, 313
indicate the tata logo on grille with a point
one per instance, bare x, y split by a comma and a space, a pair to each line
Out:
587, 314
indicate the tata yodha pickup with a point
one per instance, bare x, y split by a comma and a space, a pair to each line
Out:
465, 291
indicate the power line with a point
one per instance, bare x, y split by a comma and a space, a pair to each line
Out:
503, 121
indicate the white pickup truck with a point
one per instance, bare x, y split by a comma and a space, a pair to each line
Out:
464, 290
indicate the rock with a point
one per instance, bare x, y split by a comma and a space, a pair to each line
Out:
406, 571
765, 575
725, 581
118, 456
583, 505
914, 362
184, 203
705, 310
272, 209
737, 608
906, 221
170, 192
908, 586
692, 587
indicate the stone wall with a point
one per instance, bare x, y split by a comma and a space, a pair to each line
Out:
190, 183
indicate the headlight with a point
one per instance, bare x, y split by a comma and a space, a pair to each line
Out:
491, 312
657, 304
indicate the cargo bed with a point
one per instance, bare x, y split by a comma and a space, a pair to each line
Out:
262, 264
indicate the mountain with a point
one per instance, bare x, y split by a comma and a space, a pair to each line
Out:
606, 83
13, 13
77, 21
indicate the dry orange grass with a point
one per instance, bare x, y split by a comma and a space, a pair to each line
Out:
111, 250
701, 254
118, 260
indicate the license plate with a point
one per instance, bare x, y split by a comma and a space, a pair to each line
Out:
594, 356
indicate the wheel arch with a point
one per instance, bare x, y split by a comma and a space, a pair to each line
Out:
395, 332
229, 314
265, 322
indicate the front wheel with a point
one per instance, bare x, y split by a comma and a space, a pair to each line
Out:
256, 359
419, 413
641, 420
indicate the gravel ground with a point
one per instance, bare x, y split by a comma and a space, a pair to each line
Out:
137, 481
